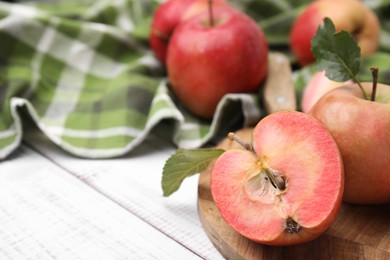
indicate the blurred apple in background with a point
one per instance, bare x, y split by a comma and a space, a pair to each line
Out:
361, 129
318, 85
349, 15
212, 55
167, 16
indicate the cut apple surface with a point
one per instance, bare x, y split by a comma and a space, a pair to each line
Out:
287, 189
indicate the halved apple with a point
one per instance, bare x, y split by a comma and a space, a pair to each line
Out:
285, 188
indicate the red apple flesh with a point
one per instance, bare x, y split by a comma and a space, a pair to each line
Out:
298, 150
167, 16
349, 15
361, 129
206, 61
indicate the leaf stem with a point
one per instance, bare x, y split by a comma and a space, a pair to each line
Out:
374, 72
355, 79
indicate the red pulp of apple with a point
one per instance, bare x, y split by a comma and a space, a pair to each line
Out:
302, 152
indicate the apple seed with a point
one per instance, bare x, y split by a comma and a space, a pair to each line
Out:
276, 178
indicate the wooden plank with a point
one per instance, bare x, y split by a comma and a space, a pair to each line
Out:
359, 232
279, 93
134, 181
46, 213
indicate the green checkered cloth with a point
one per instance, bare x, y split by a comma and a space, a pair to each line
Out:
84, 72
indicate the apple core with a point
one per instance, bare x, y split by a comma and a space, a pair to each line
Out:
261, 188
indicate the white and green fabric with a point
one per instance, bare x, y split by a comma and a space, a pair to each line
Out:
83, 71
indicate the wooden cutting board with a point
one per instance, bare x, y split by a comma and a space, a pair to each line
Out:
359, 232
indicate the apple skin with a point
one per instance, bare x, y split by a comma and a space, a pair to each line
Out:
318, 85
349, 15
307, 157
167, 16
206, 62
361, 129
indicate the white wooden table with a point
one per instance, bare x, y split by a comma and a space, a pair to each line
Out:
56, 206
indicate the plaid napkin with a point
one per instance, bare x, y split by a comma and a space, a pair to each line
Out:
83, 71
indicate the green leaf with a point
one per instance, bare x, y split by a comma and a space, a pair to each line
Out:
336, 53
185, 163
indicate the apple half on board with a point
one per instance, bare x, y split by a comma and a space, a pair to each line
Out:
286, 187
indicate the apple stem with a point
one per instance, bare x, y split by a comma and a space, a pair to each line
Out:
234, 137
374, 72
211, 15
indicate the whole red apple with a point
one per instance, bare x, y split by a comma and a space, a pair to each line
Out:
361, 129
349, 15
207, 60
288, 188
167, 16
318, 85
